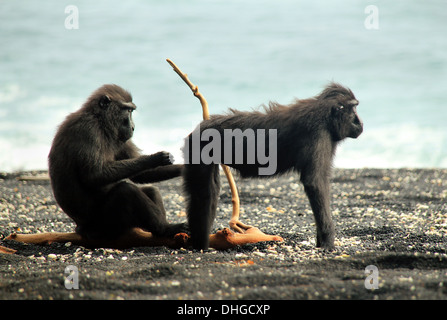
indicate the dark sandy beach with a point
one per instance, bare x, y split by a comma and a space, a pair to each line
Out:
395, 220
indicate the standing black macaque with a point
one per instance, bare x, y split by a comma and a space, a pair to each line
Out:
307, 133
93, 166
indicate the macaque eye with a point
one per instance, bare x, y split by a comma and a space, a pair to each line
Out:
127, 109
340, 107
128, 106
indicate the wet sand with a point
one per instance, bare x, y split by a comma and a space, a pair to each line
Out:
395, 220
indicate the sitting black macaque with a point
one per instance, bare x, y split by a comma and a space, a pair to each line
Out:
94, 165
300, 137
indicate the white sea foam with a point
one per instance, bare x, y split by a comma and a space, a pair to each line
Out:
402, 145
23, 157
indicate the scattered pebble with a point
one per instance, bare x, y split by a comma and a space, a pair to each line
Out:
375, 211
175, 283
52, 256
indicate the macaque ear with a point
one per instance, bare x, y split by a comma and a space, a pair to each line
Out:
104, 101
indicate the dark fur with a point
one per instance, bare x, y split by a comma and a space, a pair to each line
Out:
307, 135
93, 165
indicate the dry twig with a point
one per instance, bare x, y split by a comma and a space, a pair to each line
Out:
235, 224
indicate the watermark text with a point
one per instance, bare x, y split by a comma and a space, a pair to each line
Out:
252, 147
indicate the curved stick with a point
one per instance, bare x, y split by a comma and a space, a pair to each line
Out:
135, 237
221, 240
235, 224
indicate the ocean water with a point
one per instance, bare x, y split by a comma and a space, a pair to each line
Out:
241, 54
